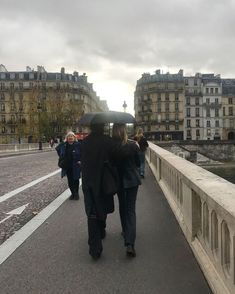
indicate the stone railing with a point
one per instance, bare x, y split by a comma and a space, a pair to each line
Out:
204, 205
22, 147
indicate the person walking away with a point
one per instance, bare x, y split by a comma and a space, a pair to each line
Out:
143, 144
70, 149
96, 149
128, 164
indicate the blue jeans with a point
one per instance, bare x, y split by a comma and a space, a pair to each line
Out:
130, 215
142, 163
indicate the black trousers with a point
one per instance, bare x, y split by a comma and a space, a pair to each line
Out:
121, 202
96, 232
130, 215
73, 184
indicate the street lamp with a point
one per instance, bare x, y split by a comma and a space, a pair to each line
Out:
39, 109
124, 106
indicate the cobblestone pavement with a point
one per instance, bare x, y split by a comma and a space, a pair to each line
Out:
18, 171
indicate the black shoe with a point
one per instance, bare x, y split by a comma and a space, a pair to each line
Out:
71, 197
95, 255
142, 176
76, 197
130, 251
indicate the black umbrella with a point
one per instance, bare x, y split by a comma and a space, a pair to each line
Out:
93, 118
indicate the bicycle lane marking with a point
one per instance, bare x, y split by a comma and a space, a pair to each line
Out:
22, 188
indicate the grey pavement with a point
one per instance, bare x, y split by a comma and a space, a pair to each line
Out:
54, 259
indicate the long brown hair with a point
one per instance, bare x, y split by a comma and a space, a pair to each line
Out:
119, 132
139, 134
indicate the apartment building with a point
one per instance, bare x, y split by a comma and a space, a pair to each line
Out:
212, 107
228, 108
36, 104
159, 105
193, 114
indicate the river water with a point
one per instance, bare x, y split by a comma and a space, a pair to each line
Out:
226, 171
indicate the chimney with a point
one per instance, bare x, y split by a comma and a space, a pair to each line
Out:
62, 71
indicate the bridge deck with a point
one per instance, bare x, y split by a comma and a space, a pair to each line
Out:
55, 258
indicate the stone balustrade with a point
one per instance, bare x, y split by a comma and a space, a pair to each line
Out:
204, 205
22, 147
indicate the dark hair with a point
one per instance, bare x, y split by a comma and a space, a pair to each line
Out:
97, 129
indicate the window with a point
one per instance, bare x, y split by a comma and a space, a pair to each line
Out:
2, 86
208, 131
198, 123
216, 112
167, 96
207, 90
208, 123
12, 85
167, 116
186, 82
216, 91
208, 113
12, 129
176, 127
167, 106
3, 119
31, 85
21, 86
188, 134
3, 130
176, 106
21, 76
216, 100
176, 96
195, 92
197, 114
231, 123
12, 76
12, 118
3, 76
195, 82
159, 97
167, 127
212, 90
217, 123
188, 112
197, 100
224, 111
2, 107
12, 106
230, 100
188, 123
207, 100
187, 100
197, 133
230, 110
176, 116
2, 97
31, 76
159, 107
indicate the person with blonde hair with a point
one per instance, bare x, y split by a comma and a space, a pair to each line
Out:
70, 152
143, 144
127, 164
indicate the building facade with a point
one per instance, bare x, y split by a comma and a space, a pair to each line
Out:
159, 108
36, 105
228, 108
193, 113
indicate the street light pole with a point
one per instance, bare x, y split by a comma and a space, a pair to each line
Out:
124, 106
39, 108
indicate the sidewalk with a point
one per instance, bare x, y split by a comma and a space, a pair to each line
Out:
54, 259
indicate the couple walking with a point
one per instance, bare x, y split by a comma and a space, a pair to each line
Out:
96, 149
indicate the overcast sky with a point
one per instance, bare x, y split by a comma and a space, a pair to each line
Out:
114, 42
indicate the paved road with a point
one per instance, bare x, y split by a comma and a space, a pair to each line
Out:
18, 171
55, 260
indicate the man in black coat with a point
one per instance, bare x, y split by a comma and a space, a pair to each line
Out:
96, 149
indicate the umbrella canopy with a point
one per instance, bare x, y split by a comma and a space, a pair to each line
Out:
93, 118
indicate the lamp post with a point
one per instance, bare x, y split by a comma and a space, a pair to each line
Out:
124, 106
39, 109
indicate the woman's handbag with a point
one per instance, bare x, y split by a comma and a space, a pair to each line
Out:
109, 179
63, 162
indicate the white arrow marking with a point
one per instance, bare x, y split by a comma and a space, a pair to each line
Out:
16, 211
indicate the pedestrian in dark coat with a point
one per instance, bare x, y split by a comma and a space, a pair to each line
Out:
143, 144
128, 164
71, 149
96, 149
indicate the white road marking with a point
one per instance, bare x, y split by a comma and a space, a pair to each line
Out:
20, 189
15, 211
11, 244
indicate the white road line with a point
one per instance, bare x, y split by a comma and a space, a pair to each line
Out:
11, 244
20, 189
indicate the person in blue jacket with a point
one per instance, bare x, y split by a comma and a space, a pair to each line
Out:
71, 149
